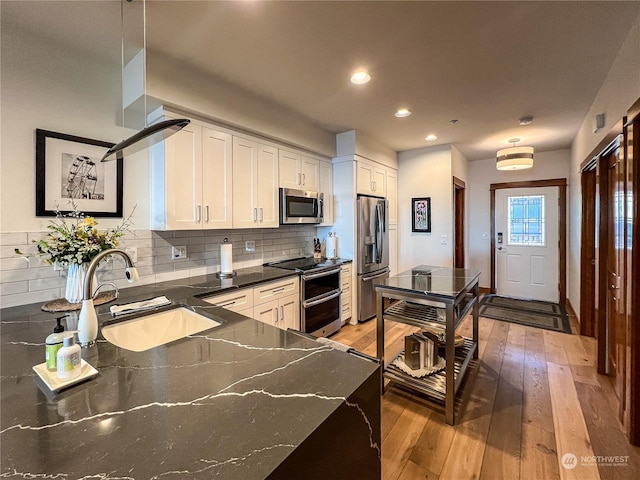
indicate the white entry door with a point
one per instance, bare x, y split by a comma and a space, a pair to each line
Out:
527, 250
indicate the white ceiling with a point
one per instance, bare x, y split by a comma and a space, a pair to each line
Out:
485, 64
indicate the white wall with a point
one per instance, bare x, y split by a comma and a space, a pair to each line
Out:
619, 91
180, 85
425, 172
53, 88
460, 169
482, 174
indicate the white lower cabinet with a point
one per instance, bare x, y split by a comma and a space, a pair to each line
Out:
240, 301
278, 303
345, 297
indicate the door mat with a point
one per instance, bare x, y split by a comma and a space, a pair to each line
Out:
532, 313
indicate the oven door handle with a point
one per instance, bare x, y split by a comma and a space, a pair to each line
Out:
307, 304
306, 277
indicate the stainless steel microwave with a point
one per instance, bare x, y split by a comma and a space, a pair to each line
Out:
299, 206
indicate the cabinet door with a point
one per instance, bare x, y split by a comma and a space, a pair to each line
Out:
326, 187
392, 196
266, 312
393, 250
183, 177
217, 179
245, 178
289, 316
267, 186
310, 170
289, 172
379, 181
365, 178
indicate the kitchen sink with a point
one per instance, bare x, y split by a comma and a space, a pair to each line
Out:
149, 331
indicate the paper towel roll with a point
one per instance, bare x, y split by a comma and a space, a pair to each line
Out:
226, 258
332, 247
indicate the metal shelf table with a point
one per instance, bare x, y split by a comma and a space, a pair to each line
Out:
437, 298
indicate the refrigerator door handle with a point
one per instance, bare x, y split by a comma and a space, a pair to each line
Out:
379, 236
377, 275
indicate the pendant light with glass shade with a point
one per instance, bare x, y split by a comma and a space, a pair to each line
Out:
514, 158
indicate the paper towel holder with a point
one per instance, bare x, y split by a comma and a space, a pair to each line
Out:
225, 274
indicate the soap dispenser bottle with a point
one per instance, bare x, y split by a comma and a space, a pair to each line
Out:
53, 344
69, 362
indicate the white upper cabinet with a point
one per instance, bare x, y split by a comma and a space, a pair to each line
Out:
298, 171
326, 188
372, 179
191, 180
392, 195
217, 165
255, 181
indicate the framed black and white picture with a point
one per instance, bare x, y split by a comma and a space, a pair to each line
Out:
421, 214
68, 170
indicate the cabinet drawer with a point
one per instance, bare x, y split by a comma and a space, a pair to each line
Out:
235, 301
276, 290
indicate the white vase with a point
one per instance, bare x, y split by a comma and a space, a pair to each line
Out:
75, 282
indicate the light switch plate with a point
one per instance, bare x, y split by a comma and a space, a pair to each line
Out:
178, 252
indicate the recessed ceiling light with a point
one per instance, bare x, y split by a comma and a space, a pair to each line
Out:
360, 77
431, 137
525, 120
453, 121
402, 112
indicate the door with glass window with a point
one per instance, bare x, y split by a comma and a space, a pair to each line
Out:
527, 243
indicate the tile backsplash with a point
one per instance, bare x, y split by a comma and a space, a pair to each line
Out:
29, 280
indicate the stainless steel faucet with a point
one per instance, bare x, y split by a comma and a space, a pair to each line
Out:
88, 320
130, 271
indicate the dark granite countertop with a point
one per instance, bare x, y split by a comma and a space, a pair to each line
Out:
433, 281
232, 402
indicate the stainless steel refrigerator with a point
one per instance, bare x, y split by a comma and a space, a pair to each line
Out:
373, 251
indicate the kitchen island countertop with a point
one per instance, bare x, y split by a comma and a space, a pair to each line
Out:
243, 400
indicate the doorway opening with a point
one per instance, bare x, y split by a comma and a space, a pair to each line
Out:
458, 223
535, 262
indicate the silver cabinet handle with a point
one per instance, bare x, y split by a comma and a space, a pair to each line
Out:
255, 214
198, 213
276, 310
282, 312
206, 213
304, 179
261, 214
277, 290
299, 179
226, 304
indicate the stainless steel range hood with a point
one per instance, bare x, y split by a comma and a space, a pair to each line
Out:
145, 138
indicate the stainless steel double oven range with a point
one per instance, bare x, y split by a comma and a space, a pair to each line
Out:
319, 293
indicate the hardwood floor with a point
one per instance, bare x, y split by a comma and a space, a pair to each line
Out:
533, 400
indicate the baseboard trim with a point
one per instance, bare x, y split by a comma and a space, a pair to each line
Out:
484, 290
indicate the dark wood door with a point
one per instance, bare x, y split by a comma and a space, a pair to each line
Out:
615, 271
458, 223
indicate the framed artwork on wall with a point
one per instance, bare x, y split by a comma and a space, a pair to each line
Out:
68, 169
421, 215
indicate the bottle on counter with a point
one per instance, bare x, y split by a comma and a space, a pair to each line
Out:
53, 344
68, 359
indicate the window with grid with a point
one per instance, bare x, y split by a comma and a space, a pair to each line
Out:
526, 220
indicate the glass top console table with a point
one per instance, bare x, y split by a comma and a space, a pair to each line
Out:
437, 299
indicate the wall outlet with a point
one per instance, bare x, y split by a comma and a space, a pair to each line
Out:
133, 253
443, 239
179, 252
485, 236
250, 246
